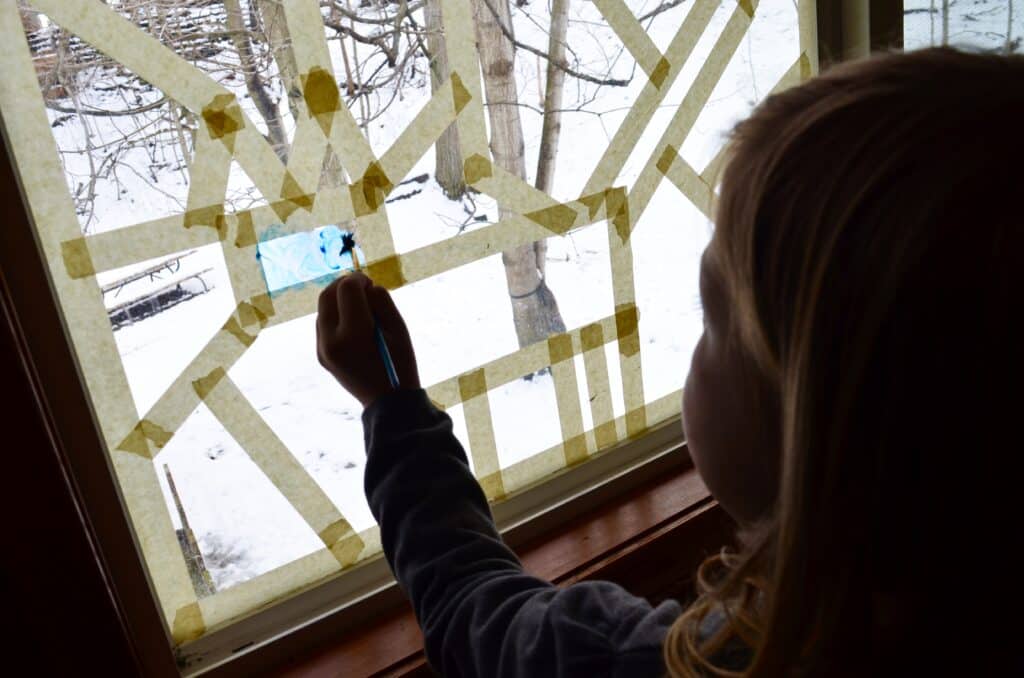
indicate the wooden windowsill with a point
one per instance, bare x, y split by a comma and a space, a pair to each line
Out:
649, 540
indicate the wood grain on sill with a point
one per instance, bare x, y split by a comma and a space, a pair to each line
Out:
649, 540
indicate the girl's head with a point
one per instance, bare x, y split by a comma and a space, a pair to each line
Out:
855, 391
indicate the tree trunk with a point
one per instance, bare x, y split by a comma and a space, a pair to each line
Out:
931, 24
552, 125
534, 309
257, 90
945, 22
1009, 27
447, 155
279, 38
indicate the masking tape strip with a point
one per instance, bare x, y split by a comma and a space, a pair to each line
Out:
243, 268
421, 133
508, 188
807, 18
228, 605
622, 20
234, 411
147, 240
624, 296
567, 397
460, 42
320, 88
224, 607
308, 37
188, 623
592, 340
686, 115
262, 165
512, 366
169, 235
796, 73
539, 467
385, 267
34, 152
180, 399
699, 188
348, 142
321, 99
540, 208
77, 259
647, 102
482, 447
686, 179
306, 155
208, 181
712, 173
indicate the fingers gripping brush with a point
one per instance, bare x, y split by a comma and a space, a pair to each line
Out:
348, 246
319, 255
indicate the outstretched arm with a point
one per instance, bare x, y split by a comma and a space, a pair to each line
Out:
481, 614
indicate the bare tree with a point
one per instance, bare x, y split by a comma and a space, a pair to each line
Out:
945, 22
552, 124
1009, 27
261, 97
447, 155
534, 309
274, 26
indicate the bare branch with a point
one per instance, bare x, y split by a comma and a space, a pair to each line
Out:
611, 82
102, 113
663, 7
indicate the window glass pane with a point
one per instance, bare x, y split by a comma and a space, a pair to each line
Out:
990, 25
192, 166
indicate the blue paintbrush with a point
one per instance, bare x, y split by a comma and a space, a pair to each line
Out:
292, 260
348, 244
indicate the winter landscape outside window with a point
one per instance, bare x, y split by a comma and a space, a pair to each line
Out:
990, 25
533, 180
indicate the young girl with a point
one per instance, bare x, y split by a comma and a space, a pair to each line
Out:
852, 403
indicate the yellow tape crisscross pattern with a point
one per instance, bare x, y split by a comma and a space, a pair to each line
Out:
296, 200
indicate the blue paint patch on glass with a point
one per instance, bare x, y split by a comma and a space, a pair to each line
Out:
315, 256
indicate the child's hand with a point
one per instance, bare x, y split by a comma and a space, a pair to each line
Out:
345, 342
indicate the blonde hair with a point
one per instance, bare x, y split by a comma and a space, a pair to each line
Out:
860, 213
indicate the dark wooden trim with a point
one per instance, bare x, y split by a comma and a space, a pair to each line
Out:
886, 24
830, 33
64, 456
54, 593
650, 541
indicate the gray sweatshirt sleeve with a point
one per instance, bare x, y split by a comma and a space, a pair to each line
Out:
480, 613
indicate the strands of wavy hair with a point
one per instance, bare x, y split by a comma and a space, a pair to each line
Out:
871, 240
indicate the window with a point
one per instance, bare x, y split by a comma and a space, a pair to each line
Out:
993, 25
162, 143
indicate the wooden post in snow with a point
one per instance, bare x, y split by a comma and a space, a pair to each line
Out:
201, 580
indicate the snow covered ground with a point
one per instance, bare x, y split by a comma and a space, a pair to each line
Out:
459, 319
983, 24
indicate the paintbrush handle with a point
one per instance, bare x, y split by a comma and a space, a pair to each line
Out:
385, 354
